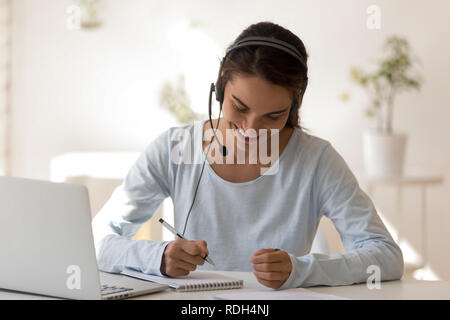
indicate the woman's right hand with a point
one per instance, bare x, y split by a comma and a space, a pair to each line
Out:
182, 256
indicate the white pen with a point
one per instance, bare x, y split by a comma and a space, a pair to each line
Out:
175, 232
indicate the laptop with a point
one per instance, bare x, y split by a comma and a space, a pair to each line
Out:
47, 246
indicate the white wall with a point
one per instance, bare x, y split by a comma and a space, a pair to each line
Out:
5, 75
97, 91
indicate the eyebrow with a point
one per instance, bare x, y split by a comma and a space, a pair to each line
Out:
243, 104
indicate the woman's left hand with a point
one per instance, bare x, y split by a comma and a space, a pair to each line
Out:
271, 267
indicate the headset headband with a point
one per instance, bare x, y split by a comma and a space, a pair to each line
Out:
260, 41
271, 42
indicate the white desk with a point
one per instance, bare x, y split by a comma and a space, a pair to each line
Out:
390, 290
395, 290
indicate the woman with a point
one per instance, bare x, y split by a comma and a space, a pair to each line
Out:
253, 211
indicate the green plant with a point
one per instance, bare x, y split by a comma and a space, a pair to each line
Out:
175, 99
392, 76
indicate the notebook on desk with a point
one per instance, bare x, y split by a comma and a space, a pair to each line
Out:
195, 281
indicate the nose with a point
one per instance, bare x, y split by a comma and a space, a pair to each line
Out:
251, 122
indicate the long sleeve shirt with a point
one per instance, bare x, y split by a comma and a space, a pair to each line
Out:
279, 210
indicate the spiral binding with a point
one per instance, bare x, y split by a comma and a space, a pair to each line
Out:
219, 285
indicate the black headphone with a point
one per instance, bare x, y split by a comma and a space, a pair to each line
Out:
219, 89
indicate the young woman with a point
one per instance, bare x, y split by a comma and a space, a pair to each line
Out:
247, 213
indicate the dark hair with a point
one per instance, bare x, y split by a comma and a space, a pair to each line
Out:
271, 64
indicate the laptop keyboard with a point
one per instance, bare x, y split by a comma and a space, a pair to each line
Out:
105, 289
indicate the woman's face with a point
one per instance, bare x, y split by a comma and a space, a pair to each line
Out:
254, 103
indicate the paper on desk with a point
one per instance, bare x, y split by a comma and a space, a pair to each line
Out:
288, 294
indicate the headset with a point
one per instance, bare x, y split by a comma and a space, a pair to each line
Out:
219, 89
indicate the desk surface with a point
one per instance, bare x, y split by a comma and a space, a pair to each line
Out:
390, 290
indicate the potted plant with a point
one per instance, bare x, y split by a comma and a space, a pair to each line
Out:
384, 149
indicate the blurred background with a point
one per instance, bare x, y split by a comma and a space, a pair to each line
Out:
86, 85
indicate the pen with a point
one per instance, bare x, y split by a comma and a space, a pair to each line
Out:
175, 232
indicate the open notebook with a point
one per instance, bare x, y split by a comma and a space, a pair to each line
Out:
195, 281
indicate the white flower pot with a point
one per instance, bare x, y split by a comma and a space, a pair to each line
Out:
384, 154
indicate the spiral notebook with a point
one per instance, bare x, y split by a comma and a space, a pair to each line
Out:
195, 281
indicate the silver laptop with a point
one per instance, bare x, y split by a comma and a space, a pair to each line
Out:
47, 247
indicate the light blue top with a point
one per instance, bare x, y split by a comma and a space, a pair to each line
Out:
280, 210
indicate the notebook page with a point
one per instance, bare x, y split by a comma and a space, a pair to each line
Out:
194, 278
288, 294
